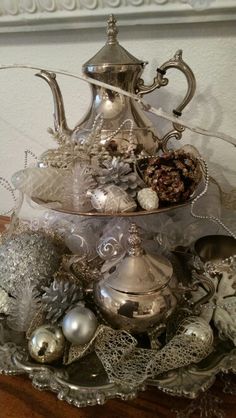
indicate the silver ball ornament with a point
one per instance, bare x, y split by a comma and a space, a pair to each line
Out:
197, 327
47, 344
79, 325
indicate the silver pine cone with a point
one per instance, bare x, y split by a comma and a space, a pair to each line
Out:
60, 296
121, 174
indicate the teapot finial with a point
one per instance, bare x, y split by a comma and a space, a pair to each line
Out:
134, 241
112, 30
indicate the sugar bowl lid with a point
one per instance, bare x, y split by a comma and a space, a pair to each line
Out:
140, 272
112, 53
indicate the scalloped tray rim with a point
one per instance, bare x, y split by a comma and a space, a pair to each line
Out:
82, 396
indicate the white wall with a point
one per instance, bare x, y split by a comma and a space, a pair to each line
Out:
26, 102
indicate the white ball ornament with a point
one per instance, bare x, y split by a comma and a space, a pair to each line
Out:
79, 325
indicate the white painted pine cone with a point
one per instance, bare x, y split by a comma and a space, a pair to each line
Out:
148, 199
4, 302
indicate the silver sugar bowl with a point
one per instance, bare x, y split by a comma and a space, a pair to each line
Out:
136, 294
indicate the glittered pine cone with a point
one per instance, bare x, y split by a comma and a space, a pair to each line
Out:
173, 175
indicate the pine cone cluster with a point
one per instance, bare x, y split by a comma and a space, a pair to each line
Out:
173, 175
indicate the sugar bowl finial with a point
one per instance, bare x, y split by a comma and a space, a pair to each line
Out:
112, 30
134, 241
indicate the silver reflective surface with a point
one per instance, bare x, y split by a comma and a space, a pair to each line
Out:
135, 294
215, 247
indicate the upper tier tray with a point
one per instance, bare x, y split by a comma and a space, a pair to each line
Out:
117, 214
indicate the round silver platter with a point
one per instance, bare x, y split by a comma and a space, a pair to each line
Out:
85, 382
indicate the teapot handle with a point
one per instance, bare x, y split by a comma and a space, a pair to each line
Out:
160, 80
209, 287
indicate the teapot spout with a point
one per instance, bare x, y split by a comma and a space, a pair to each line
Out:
60, 123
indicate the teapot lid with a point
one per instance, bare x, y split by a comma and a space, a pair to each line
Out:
112, 53
140, 272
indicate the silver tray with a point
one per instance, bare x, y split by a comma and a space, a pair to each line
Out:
85, 382
58, 207
112, 214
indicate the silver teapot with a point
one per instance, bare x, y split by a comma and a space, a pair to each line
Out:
137, 293
115, 66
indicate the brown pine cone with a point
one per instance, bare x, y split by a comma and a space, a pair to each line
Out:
173, 175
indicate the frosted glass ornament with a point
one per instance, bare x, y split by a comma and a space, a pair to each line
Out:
112, 199
43, 183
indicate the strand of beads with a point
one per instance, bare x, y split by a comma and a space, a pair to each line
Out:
27, 153
119, 129
7, 186
96, 127
206, 217
130, 141
214, 306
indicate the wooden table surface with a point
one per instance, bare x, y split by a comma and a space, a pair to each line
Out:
18, 399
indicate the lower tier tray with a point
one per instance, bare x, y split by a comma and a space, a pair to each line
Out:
85, 382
